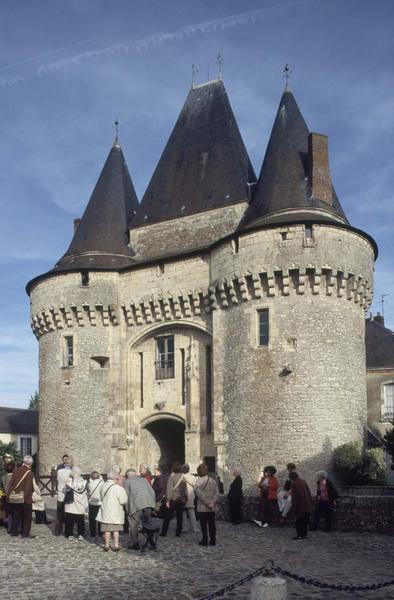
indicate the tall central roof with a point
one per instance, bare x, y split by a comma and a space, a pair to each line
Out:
283, 190
204, 164
101, 238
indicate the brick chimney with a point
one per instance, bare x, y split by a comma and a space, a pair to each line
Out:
76, 223
379, 319
319, 168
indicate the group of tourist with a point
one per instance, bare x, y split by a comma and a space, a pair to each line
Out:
276, 504
129, 502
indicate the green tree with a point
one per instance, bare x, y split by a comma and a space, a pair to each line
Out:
8, 449
34, 399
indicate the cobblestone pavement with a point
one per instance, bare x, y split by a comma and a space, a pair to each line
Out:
49, 567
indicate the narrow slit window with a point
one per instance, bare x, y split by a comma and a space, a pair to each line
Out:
263, 327
208, 387
165, 358
68, 351
141, 379
308, 232
85, 278
183, 367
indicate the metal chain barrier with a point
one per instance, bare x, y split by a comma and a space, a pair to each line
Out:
269, 570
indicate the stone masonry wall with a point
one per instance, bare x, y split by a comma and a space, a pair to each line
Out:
304, 394
316, 291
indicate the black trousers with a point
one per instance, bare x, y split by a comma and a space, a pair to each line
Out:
235, 506
207, 523
59, 518
302, 526
178, 507
41, 517
21, 519
323, 509
70, 520
94, 525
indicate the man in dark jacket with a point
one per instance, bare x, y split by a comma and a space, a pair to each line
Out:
326, 497
22, 481
235, 498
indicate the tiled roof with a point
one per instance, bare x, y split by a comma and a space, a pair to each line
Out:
283, 192
204, 164
17, 420
379, 343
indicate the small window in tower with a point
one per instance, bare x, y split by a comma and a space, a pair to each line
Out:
160, 269
235, 245
283, 235
165, 357
308, 232
68, 351
263, 326
85, 278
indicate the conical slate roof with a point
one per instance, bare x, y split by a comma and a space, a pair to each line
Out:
101, 239
204, 164
283, 191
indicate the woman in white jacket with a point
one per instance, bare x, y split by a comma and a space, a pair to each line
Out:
75, 504
111, 514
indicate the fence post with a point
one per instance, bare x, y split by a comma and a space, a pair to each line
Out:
268, 588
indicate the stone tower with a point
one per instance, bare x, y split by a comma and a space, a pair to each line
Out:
222, 319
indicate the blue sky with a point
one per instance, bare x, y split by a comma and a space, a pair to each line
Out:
69, 68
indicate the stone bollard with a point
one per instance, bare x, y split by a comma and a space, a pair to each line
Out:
268, 588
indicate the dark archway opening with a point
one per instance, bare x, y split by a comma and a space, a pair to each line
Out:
169, 436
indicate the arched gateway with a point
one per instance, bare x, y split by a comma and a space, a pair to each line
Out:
162, 440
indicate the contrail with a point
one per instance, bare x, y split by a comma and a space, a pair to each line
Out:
154, 40
40, 56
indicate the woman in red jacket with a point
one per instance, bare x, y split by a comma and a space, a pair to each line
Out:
268, 485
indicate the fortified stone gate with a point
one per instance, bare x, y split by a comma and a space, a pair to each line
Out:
222, 319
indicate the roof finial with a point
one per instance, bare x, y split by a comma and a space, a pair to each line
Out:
116, 142
194, 75
287, 74
219, 60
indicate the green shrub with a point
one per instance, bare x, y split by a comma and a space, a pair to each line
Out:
358, 466
375, 466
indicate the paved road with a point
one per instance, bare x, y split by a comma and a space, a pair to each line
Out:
48, 567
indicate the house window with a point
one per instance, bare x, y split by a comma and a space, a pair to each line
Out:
388, 401
25, 446
68, 351
165, 357
263, 327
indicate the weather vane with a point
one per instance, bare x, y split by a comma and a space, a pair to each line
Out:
287, 73
194, 74
219, 60
117, 128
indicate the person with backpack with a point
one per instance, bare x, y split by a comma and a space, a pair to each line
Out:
189, 511
75, 504
20, 498
207, 493
176, 499
94, 486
